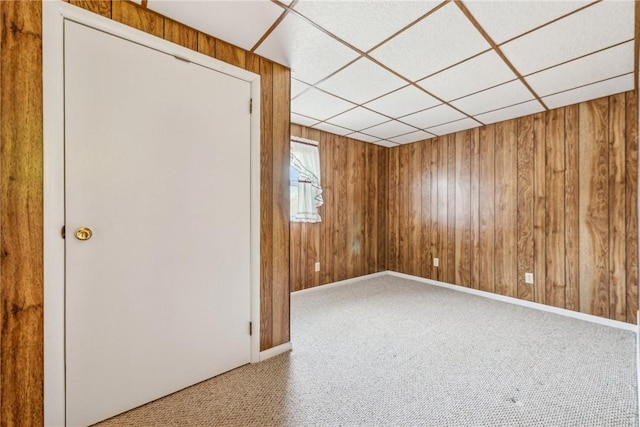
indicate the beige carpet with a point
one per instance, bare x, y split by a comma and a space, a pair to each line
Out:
393, 352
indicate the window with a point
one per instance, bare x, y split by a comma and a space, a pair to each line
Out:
304, 185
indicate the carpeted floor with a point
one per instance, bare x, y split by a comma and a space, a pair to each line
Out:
393, 352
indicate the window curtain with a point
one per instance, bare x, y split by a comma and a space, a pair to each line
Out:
306, 160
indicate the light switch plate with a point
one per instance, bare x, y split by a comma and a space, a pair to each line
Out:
528, 278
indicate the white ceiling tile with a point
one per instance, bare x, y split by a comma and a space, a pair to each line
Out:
508, 113
363, 137
471, 76
432, 117
453, 127
241, 23
586, 93
411, 137
440, 40
389, 129
491, 99
362, 81
328, 127
364, 24
503, 20
315, 103
403, 101
311, 54
297, 87
593, 68
358, 118
385, 143
596, 27
303, 120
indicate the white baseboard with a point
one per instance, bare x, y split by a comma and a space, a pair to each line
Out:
274, 351
340, 283
530, 304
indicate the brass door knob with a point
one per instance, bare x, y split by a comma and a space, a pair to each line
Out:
83, 233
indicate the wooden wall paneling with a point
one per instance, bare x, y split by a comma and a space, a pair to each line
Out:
266, 205
443, 208
392, 219
99, 7
21, 215
555, 168
382, 211
462, 220
328, 220
631, 188
138, 17
295, 256
486, 239
313, 237
232, 54
506, 198
207, 45
617, 208
525, 206
280, 236
434, 235
180, 34
370, 211
594, 209
572, 208
414, 209
402, 214
341, 238
539, 207
474, 207
450, 252
426, 223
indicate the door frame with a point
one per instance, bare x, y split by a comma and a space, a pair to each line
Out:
54, 13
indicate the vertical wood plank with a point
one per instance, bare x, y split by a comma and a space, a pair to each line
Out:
632, 205
326, 263
341, 238
540, 203
266, 205
506, 197
425, 208
450, 252
232, 54
392, 220
180, 34
280, 236
383, 194
525, 205
555, 279
138, 17
21, 212
462, 209
207, 46
617, 209
572, 208
594, 209
474, 207
486, 246
414, 209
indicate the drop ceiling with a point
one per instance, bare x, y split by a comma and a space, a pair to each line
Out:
393, 72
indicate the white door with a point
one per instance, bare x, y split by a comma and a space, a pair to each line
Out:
157, 166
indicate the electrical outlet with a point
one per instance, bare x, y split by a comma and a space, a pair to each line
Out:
317, 266
528, 278
436, 262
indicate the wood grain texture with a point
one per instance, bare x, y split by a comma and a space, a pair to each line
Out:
617, 209
207, 46
554, 225
553, 193
572, 207
594, 209
525, 201
280, 202
99, 7
486, 248
506, 198
21, 215
631, 174
231, 54
180, 34
138, 17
